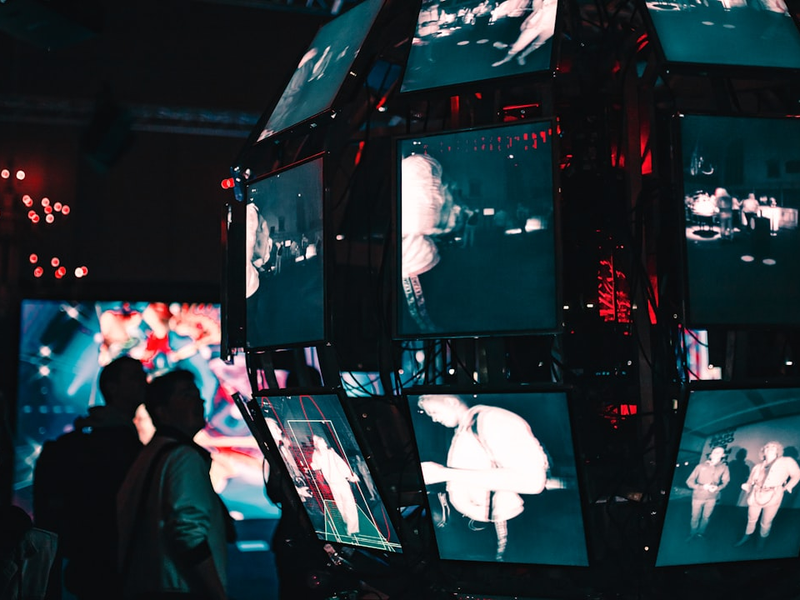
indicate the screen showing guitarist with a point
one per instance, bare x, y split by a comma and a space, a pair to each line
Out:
493, 458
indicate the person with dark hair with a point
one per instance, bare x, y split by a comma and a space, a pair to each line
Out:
77, 476
173, 527
768, 481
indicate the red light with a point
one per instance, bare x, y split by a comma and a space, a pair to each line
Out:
34, 258
54, 262
65, 209
60, 272
27, 200
48, 210
45, 201
227, 183
20, 175
32, 215
85, 271
38, 272
35, 218
57, 206
5, 173
49, 218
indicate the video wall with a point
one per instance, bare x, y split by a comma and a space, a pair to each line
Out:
64, 345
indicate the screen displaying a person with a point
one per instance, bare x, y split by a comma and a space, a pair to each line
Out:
498, 491
476, 242
475, 40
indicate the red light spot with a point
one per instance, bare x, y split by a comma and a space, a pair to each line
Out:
227, 183
54, 262
32, 214
60, 272
45, 201
48, 210
38, 272
34, 258
57, 206
27, 200
35, 218
5, 173
49, 218
20, 175
65, 209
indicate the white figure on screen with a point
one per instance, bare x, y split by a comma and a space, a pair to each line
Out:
338, 475
535, 30
258, 246
768, 481
706, 481
493, 458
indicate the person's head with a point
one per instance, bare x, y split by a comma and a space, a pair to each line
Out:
319, 442
174, 400
716, 454
123, 384
771, 450
443, 408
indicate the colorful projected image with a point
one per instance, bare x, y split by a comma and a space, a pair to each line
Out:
316, 444
476, 40
500, 475
284, 259
477, 244
758, 33
63, 347
741, 190
733, 494
323, 68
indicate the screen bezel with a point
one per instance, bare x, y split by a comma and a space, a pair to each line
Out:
722, 69
542, 75
677, 132
324, 159
342, 88
685, 395
344, 404
568, 393
397, 298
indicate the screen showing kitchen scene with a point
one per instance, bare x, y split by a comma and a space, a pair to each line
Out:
461, 42
733, 495
738, 33
323, 68
476, 247
65, 344
284, 268
501, 477
740, 201
314, 440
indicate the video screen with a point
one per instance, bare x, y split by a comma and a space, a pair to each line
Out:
501, 477
315, 442
477, 245
65, 344
739, 33
461, 42
733, 494
323, 68
741, 195
284, 271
